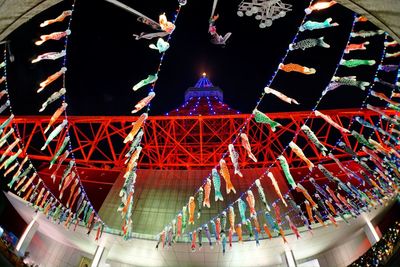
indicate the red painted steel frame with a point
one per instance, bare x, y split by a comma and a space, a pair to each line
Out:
189, 142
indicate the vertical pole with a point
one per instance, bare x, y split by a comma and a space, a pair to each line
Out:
371, 233
290, 260
27, 236
100, 256
97, 256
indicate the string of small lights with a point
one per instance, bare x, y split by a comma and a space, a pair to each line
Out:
313, 110
70, 147
130, 175
258, 103
153, 85
53, 199
364, 103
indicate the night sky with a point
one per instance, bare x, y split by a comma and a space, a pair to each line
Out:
104, 60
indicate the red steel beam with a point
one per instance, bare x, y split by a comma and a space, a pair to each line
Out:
190, 142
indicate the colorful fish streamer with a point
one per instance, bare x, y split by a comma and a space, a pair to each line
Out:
192, 208
318, 188
200, 198
311, 135
136, 126
286, 171
315, 25
293, 227
277, 213
218, 226
60, 18
393, 43
249, 228
223, 237
251, 201
161, 45
216, 38
144, 102
207, 191
366, 34
56, 115
235, 161
9, 149
247, 147
4, 138
301, 189
292, 67
281, 96
352, 63
347, 81
49, 56
299, 152
149, 80
60, 151
382, 96
52, 36
242, 210
354, 47
231, 217
208, 235
309, 43
166, 25
55, 96
276, 187
217, 185
262, 118
319, 6
261, 193
329, 120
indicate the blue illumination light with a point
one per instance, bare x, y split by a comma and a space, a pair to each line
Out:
203, 82
194, 105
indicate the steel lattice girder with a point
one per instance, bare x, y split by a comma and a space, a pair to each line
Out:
191, 142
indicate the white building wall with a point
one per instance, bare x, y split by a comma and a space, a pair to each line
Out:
47, 252
343, 254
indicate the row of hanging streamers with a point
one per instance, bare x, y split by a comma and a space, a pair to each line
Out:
259, 117
69, 181
26, 182
163, 32
326, 204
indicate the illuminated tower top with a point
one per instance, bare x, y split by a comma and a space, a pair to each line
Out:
204, 88
203, 99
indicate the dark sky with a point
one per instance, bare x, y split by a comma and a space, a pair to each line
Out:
105, 61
